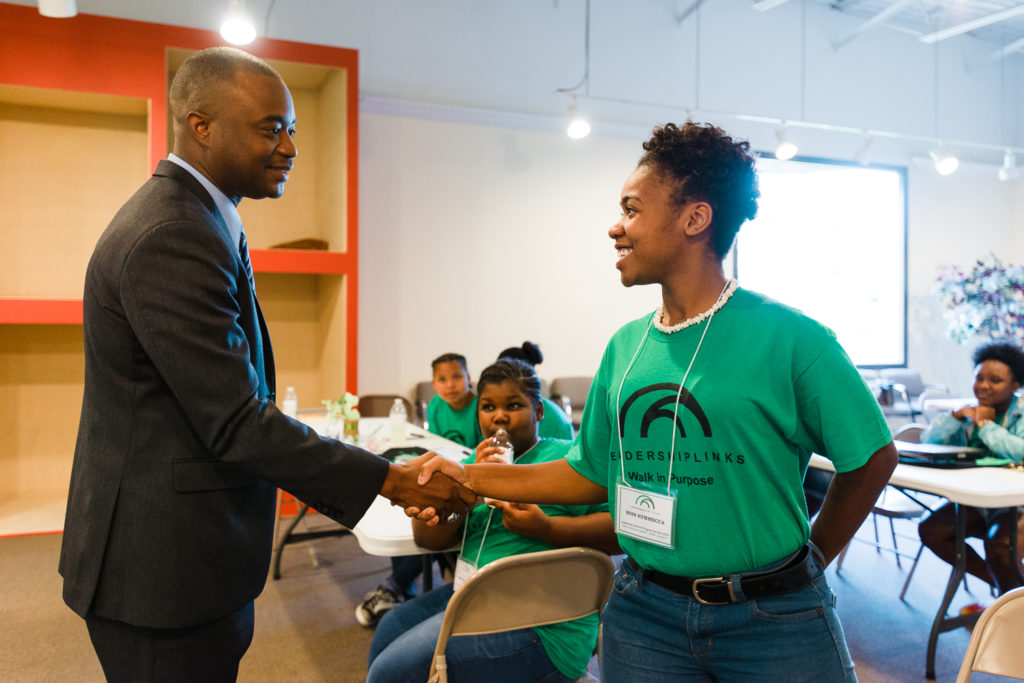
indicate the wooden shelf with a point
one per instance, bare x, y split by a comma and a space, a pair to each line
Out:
83, 107
24, 311
31, 311
301, 261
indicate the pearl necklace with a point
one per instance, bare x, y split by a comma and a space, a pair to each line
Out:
727, 292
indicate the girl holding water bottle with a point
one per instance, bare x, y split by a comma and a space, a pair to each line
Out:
403, 645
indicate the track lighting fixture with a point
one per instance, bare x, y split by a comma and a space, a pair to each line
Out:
1009, 171
58, 9
861, 155
578, 127
945, 163
786, 149
238, 27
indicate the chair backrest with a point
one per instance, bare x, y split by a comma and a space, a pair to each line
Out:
910, 432
870, 375
424, 392
525, 590
995, 642
571, 393
910, 379
379, 405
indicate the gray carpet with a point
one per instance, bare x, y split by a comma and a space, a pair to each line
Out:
306, 629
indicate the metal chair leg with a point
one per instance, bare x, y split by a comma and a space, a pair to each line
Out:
895, 545
910, 574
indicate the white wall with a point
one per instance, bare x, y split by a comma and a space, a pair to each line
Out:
484, 236
475, 238
481, 225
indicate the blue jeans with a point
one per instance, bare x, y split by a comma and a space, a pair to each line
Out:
651, 634
403, 647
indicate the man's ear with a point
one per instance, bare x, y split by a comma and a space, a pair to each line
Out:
698, 218
198, 126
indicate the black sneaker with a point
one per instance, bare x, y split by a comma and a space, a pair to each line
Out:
374, 605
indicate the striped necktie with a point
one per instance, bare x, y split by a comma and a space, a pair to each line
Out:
243, 251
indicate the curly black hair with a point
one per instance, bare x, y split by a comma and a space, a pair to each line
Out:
707, 165
1005, 353
528, 352
515, 370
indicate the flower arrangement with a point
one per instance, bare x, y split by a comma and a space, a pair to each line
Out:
345, 408
986, 301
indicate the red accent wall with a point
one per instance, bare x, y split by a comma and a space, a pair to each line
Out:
88, 53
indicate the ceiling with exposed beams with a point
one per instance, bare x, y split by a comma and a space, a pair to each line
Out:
997, 23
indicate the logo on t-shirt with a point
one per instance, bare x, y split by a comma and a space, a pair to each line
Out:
455, 435
664, 407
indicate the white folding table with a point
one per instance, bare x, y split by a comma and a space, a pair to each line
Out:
983, 487
384, 529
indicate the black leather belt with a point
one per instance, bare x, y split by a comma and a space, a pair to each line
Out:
718, 590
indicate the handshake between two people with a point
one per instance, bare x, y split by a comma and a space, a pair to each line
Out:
431, 488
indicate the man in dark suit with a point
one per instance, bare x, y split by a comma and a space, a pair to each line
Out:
181, 447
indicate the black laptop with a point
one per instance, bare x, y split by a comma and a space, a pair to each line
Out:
937, 454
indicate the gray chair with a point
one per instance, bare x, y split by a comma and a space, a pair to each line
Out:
895, 503
903, 392
571, 394
521, 591
379, 405
424, 392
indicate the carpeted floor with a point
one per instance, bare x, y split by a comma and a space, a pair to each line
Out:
306, 629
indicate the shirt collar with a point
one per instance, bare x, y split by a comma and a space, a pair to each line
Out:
226, 207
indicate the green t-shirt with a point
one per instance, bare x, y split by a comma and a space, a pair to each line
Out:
555, 424
569, 644
460, 426
768, 387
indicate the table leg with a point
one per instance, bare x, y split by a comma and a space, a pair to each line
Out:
1013, 546
289, 537
942, 622
428, 573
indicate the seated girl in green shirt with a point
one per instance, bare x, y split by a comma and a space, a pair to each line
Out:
403, 645
452, 413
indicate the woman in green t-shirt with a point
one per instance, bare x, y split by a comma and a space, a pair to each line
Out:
509, 399
699, 426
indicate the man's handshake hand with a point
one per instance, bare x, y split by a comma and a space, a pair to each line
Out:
438, 498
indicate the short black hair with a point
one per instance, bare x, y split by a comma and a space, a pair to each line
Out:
1003, 352
512, 369
707, 165
528, 352
450, 358
201, 79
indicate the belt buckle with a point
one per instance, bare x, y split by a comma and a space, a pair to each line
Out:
696, 593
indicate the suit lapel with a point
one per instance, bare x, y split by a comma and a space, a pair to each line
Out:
261, 354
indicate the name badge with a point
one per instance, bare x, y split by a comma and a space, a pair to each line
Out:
463, 570
645, 516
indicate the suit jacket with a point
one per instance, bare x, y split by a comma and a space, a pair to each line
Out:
180, 446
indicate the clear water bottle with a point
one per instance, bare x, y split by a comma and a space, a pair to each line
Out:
290, 405
501, 440
399, 419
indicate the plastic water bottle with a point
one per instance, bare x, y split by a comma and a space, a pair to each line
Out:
398, 419
501, 440
290, 405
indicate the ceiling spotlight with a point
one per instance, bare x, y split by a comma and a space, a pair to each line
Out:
786, 149
861, 155
945, 164
238, 27
578, 127
1009, 171
58, 9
